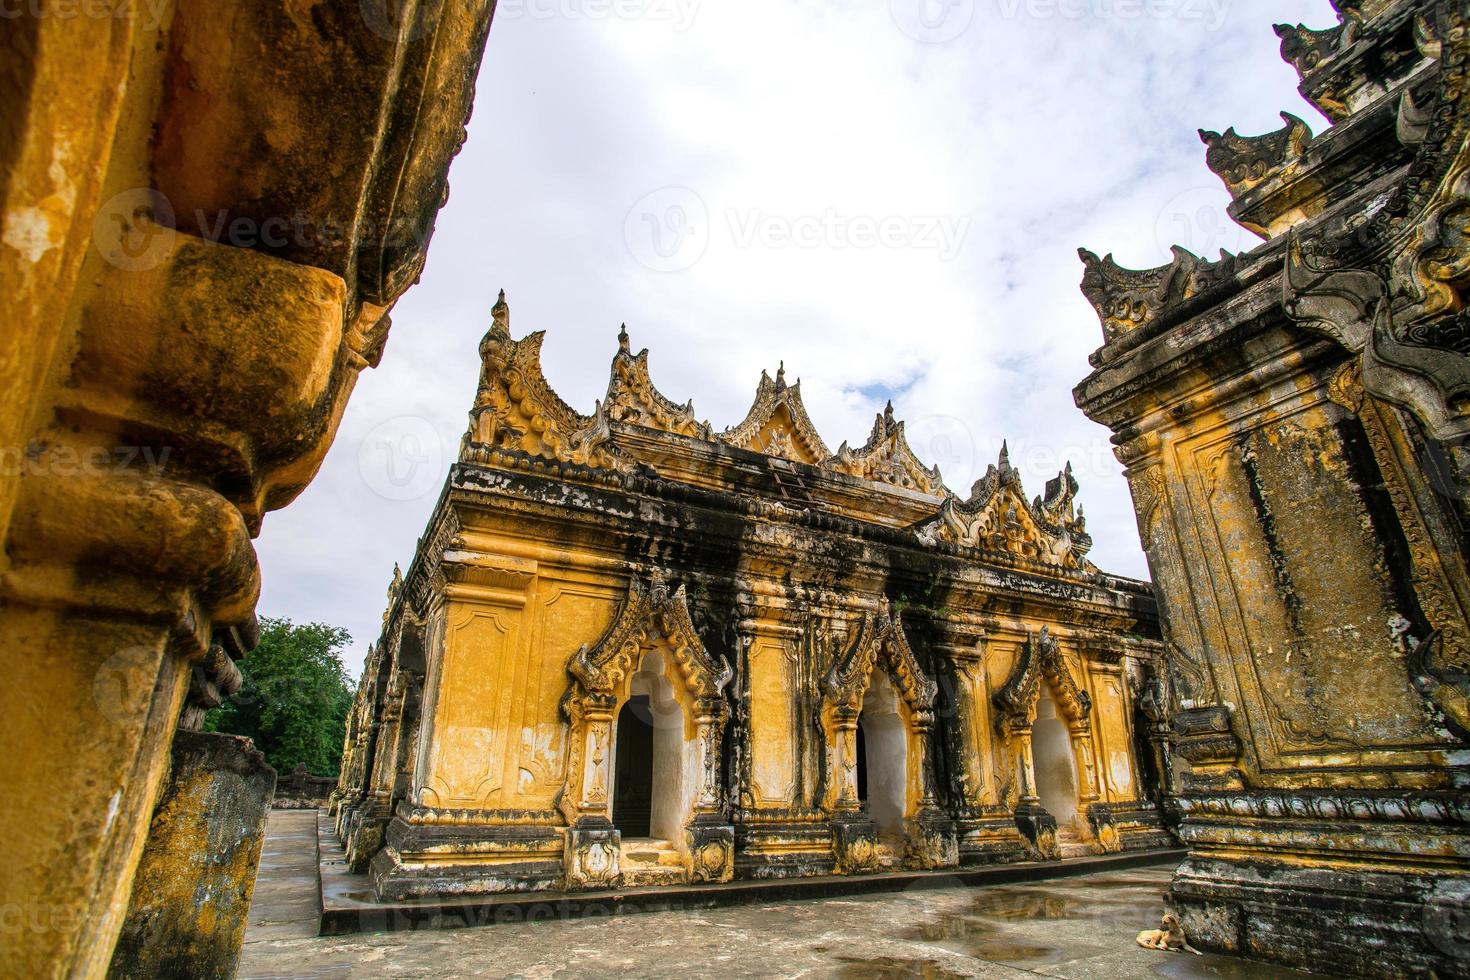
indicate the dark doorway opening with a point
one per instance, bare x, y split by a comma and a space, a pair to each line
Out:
633, 779
862, 769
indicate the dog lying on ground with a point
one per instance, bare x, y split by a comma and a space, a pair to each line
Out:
1170, 937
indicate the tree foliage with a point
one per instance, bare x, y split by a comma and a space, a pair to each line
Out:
295, 697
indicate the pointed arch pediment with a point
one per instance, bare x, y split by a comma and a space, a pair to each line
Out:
632, 398
878, 638
887, 458
777, 424
1040, 659
650, 613
516, 409
997, 517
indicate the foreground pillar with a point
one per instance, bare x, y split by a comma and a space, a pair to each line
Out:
207, 216
1293, 424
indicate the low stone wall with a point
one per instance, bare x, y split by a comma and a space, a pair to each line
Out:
191, 893
302, 791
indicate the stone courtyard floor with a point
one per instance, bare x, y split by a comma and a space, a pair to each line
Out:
1080, 927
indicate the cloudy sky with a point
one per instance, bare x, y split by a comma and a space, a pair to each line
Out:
888, 195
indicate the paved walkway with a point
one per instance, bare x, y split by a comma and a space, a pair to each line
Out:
1078, 927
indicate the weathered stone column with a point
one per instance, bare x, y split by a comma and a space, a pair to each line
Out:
1281, 414
1082, 753
842, 760
181, 339
1025, 766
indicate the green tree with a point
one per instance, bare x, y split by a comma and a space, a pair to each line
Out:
295, 697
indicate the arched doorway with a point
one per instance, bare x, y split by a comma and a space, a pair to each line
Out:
646, 717
877, 716
633, 771
1044, 718
1054, 762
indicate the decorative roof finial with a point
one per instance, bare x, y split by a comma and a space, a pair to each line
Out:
1005, 455
781, 374
623, 339
500, 316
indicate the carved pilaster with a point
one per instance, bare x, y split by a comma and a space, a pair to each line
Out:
592, 858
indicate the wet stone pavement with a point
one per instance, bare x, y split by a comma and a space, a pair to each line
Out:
1077, 927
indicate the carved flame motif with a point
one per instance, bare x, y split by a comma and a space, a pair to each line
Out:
887, 458
777, 423
1243, 162
1127, 299
1041, 657
633, 400
997, 518
878, 636
648, 613
1305, 48
516, 409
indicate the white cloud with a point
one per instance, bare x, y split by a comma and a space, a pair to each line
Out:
1035, 128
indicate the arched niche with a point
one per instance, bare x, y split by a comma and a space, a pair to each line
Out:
1057, 785
884, 725
650, 650
1040, 667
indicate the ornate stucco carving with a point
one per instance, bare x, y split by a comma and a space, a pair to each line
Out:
1319, 442
1398, 363
1128, 299
632, 398
1305, 49
1040, 657
649, 611
516, 409
887, 458
997, 518
1243, 162
777, 423
1148, 497
878, 635
1392, 288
